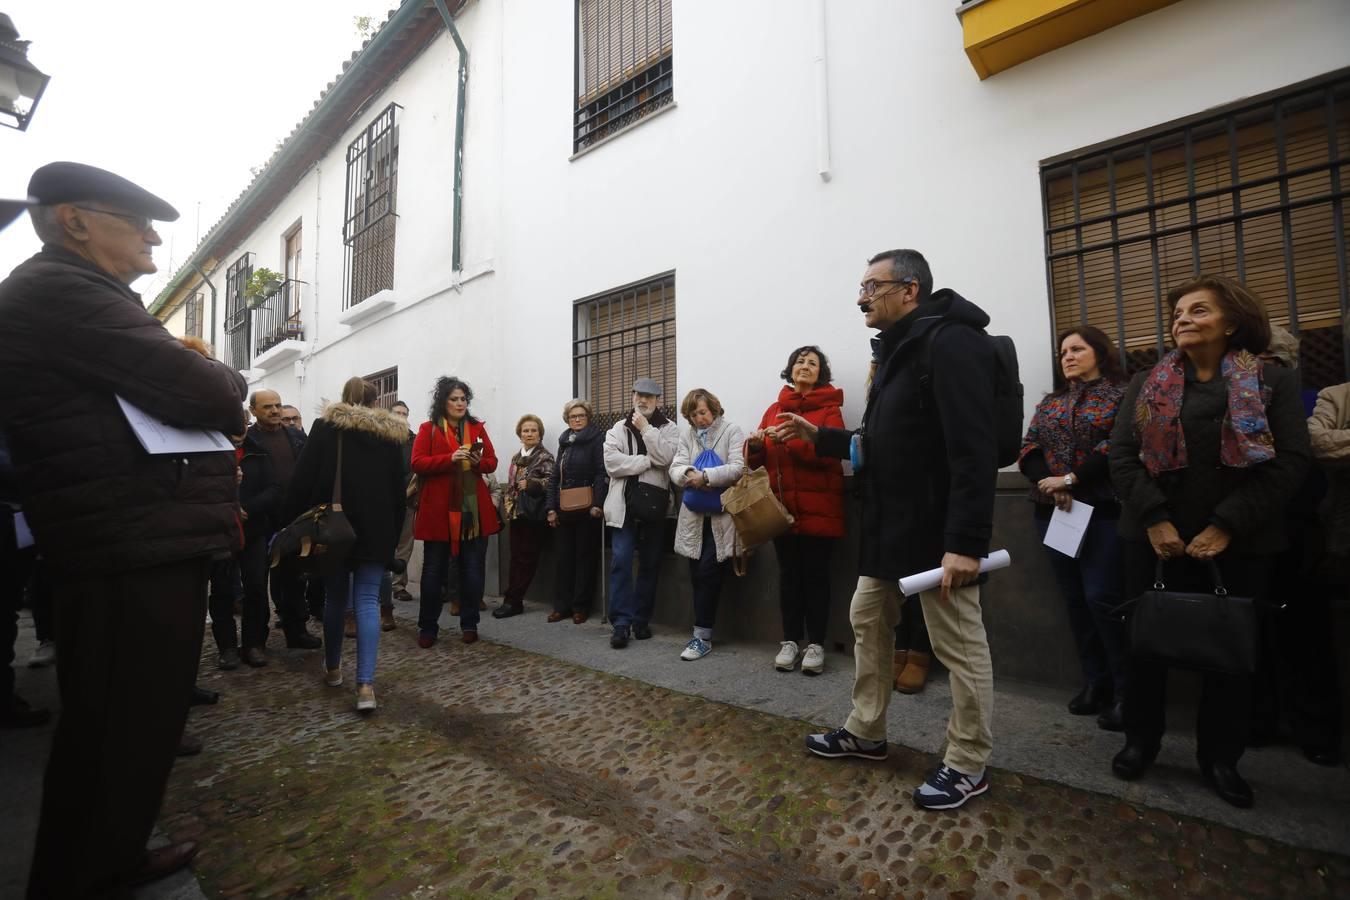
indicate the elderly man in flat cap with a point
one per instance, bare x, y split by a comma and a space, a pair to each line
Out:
128, 535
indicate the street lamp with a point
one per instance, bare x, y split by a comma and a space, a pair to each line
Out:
21, 82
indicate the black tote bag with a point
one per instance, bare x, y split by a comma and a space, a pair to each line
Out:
1207, 632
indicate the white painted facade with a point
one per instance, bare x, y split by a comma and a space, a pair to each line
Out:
724, 188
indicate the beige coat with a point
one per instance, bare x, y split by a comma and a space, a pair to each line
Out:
728, 442
1329, 428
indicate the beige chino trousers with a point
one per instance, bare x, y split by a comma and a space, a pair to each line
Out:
957, 632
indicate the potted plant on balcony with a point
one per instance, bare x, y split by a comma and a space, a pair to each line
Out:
261, 287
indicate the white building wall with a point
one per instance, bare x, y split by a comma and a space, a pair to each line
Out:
724, 188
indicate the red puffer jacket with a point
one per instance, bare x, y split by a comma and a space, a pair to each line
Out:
431, 461
810, 486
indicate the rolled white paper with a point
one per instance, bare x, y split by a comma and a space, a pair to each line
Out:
926, 581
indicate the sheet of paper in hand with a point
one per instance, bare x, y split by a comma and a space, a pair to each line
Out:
158, 436
1066, 530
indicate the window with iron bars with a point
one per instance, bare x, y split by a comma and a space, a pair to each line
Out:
386, 386
368, 228
619, 337
624, 68
1253, 191
237, 314
192, 327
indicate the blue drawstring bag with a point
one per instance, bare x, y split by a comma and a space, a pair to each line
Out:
698, 500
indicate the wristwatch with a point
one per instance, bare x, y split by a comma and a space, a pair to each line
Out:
1069, 480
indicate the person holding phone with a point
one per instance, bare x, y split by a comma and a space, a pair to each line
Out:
456, 514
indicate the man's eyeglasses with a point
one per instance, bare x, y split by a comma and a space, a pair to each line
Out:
141, 223
290, 420
868, 288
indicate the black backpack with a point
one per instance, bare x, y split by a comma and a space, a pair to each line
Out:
1007, 389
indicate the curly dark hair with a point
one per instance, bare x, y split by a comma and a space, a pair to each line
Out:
1108, 360
445, 386
823, 379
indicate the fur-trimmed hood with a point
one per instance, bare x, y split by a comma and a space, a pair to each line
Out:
371, 420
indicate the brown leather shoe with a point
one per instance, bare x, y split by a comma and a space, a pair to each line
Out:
164, 861
254, 657
482, 605
387, 618
469, 637
898, 666
556, 616
454, 607
580, 618
915, 674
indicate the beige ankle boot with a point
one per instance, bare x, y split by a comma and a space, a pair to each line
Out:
898, 666
915, 674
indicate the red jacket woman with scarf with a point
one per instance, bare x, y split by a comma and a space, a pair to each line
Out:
442, 480
810, 486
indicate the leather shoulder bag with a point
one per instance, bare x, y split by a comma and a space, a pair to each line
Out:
321, 537
572, 499
1208, 632
759, 515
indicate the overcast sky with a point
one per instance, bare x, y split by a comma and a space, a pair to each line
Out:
180, 96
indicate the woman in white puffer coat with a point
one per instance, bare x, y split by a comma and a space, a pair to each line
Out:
705, 534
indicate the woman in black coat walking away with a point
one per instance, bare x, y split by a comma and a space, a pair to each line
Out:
369, 442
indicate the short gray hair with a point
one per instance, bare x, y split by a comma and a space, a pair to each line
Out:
908, 265
45, 222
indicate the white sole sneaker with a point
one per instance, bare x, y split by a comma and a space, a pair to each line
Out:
332, 677
784, 662
365, 698
813, 660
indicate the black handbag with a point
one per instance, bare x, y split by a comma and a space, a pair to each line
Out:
645, 502
532, 507
1207, 632
321, 537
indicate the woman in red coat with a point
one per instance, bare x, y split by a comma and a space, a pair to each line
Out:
812, 488
455, 515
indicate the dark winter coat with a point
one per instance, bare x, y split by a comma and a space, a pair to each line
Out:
536, 469
372, 475
810, 485
931, 463
581, 462
71, 338
261, 494
1248, 503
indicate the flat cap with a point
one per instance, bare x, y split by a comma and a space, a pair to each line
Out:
71, 182
647, 386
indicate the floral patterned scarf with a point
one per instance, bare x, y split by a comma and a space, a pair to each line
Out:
1246, 438
463, 505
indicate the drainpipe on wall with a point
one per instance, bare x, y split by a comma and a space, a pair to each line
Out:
821, 65
213, 304
459, 131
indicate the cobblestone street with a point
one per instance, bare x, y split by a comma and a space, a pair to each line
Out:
492, 772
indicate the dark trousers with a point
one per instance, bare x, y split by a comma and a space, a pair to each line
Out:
41, 602
16, 568
465, 574
631, 602
129, 649
1224, 716
288, 594
254, 611
221, 602
526, 537
578, 542
705, 573
911, 633
1093, 585
804, 585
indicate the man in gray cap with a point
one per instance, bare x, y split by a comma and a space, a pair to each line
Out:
127, 534
638, 452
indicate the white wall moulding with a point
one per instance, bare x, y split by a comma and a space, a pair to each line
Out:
376, 304
279, 354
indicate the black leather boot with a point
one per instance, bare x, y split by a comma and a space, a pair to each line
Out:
1092, 699
1113, 719
1227, 783
1133, 761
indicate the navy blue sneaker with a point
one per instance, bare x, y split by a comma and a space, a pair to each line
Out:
947, 788
619, 639
834, 744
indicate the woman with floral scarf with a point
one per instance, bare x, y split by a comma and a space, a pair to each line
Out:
1208, 449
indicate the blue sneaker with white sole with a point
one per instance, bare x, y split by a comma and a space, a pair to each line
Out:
697, 648
947, 788
834, 744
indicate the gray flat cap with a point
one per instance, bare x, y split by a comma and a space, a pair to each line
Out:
646, 386
71, 182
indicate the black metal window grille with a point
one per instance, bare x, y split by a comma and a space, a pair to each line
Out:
619, 337
192, 327
237, 313
277, 318
368, 228
625, 69
386, 384
1254, 191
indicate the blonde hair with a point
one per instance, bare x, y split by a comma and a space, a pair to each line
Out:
575, 402
692, 400
531, 417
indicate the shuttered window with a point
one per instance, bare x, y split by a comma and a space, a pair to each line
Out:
368, 229
386, 387
619, 337
624, 65
1255, 192
237, 313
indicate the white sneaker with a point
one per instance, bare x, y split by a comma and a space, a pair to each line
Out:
813, 661
44, 655
365, 698
697, 648
786, 660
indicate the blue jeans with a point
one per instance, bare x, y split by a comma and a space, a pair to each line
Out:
468, 569
358, 581
1093, 585
629, 606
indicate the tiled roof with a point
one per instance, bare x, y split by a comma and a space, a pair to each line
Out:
406, 31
